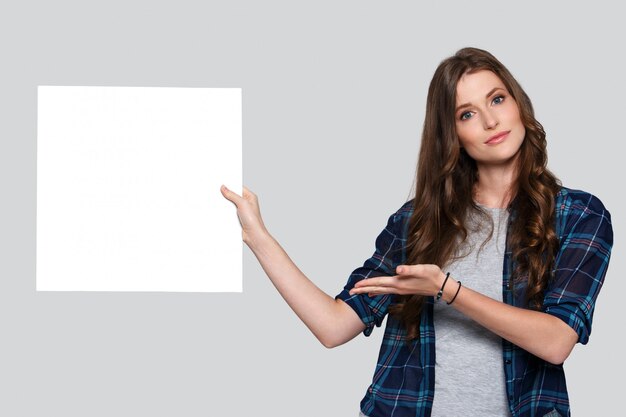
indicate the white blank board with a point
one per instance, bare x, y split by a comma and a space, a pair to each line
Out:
128, 183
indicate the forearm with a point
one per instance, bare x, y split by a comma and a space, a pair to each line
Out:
539, 333
328, 321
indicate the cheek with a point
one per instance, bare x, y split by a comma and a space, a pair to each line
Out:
522, 134
461, 133
465, 134
516, 122
513, 114
461, 139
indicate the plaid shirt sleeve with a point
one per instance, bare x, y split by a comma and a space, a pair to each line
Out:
586, 239
388, 254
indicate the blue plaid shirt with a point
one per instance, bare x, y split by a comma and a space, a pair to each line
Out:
404, 379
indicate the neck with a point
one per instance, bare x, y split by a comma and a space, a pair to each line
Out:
494, 187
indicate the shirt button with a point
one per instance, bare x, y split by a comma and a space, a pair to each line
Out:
508, 361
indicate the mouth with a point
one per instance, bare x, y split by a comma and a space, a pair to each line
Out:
497, 138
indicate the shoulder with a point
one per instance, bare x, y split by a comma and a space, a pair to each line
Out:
577, 209
398, 221
404, 213
571, 202
407, 208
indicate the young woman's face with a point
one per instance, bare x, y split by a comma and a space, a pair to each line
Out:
487, 119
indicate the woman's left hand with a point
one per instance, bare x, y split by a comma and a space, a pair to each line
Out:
421, 279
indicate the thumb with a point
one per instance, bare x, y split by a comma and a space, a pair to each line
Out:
402, 269
231, 196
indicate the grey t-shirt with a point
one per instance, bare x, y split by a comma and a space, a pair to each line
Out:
469, 369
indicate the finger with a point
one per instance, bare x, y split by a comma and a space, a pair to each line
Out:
376, 288
231, 195
248, 195
404, 269
377, 281
373, 290
410, 269
246, 191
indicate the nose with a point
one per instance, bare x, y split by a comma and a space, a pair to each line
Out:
489, 120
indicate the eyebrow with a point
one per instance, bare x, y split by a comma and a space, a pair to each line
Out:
487, 96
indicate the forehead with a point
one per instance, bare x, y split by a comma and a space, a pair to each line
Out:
474, 86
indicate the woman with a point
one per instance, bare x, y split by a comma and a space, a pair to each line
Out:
488, 277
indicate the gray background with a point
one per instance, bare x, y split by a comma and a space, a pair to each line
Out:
333, 105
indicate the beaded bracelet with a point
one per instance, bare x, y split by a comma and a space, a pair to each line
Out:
457, 293
440, 293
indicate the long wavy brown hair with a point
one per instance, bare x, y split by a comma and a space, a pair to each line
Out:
445, 180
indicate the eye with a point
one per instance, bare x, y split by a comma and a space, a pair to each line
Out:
466, 115
498, 99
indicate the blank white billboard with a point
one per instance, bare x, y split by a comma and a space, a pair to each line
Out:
128, 189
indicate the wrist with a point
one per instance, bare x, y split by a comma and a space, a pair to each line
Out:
257, 239
440, 284
450, 290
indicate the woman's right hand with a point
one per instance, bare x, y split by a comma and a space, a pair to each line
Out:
332, 321
248, 212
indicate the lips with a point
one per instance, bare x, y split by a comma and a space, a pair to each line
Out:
497, 138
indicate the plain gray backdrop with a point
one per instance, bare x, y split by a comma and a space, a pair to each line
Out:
333, 105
